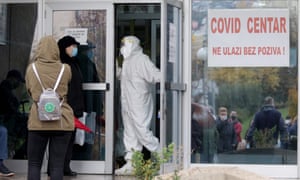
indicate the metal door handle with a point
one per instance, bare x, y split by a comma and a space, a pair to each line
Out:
175, 86
95, 86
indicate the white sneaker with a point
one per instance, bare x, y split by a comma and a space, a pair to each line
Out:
127, 169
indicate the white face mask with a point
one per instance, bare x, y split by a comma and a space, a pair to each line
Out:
223, 117
125, 51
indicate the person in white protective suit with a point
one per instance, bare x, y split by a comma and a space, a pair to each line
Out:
137, 75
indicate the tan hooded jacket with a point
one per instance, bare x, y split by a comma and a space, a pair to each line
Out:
48, 66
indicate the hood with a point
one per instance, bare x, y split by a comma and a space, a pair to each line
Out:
131, 44
267, 108
47, 50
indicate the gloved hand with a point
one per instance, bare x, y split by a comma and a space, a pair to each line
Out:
118, 69
119, 61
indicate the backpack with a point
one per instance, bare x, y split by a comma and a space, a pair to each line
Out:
49, 104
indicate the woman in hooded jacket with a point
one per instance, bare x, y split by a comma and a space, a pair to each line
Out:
58, 132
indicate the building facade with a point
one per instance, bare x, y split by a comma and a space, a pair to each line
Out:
212, 54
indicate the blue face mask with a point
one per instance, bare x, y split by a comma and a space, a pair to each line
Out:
74, 51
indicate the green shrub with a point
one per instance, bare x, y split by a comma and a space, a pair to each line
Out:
147, 169
264, 138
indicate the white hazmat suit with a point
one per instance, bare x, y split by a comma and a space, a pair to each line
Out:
137, 75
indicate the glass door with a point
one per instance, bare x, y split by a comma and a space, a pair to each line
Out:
172, 86
159, 28
142, 21
91, 24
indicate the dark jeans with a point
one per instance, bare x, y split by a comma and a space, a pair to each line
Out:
37, 143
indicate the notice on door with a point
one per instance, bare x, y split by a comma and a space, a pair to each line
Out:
248, 38
80, 34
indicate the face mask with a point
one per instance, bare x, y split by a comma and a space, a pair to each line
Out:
223, 118
125, 52
74, 51
233, 117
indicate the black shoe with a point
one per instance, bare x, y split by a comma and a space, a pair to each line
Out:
70, 173
4, 171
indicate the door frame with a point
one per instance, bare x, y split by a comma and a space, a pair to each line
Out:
163, 62
177, 137
106, 166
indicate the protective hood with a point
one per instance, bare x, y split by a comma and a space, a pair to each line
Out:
47, 50
130, 46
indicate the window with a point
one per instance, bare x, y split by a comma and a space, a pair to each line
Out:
238, 92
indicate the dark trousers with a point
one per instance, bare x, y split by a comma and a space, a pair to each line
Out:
37, 143
69, 153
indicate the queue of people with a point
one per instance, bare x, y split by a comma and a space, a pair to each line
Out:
49, 57
210, 134
42, 73
228, 129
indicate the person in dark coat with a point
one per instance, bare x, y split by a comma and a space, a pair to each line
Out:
293, 133
293, 127
93, 100
267, 118
227, 137
9, 110
68, 48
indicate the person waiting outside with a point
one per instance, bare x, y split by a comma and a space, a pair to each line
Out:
267, 118
227, 137
237, 126
9, 110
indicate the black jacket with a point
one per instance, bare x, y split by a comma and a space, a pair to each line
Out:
227, 136
75, 92
93, 99
267, 118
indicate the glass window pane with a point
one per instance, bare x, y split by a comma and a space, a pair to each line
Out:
15, 48
92, 56
239, 93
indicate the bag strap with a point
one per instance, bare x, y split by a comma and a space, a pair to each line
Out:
59, 76
57, 81
37, 75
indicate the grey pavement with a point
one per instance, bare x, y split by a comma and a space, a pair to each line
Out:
91, 177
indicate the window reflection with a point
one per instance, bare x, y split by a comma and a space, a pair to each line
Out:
3, 19
15, 47
92, 56
241, 90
